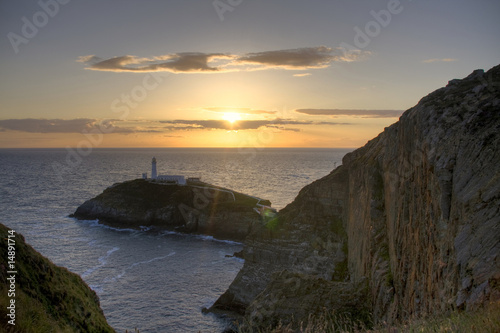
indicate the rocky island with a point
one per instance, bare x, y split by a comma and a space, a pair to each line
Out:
194, 207
408, 226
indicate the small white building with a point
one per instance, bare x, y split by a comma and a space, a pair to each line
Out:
194, 179
181, 180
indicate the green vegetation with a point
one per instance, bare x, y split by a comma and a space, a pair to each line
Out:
327, 322
337, 227
240, 198
341, 272
273, 224
485, 320
144, 195
48, 298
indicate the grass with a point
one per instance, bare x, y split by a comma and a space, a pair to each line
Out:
48, 298
484, 320
328, 322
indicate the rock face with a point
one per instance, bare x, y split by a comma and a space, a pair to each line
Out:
412, 220
201, 208
47, 298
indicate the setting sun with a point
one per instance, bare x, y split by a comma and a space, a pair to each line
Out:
231, 117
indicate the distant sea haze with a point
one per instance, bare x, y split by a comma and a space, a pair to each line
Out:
155, 282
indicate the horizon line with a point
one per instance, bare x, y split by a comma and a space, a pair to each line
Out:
245, 147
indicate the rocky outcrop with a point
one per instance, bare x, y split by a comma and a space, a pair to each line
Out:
299, 295
309, 239
44, 297
197, 208
414, 214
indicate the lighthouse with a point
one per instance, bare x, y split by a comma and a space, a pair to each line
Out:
165, 179
153, 168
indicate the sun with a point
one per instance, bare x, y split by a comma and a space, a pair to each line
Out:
231, 117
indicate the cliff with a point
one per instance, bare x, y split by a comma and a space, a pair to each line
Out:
409, 225
195, 208
47, 298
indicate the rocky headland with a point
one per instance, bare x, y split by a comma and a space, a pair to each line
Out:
43, 297
197, 208
408, 226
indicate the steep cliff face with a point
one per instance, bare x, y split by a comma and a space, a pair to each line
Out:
412, 219
47, 298
200, 208
308, 238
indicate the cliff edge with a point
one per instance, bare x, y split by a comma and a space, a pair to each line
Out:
198, 208
409, 225
42, 297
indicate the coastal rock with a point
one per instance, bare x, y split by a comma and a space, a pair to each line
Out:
47, 298
300, 297
300, 241
415, 214
200, 209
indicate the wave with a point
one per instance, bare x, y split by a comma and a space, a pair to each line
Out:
212, 239
206, 238
102, 262
97, 288
96, 223
124, 271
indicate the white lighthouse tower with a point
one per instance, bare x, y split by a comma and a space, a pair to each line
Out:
153, 168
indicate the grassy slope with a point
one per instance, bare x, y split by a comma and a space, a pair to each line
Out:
144, 195
485, 320
48, 298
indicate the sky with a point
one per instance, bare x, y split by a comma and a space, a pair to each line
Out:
229, 73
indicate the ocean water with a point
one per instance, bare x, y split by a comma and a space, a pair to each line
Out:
155, 282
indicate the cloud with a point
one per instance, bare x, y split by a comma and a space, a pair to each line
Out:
89, 59
302, 74
240, 124
197, 62
428, 61
216, 124
295, 59
238, 110
79, 125
193, 62
282, 128
48, 125
108, 126
355, 113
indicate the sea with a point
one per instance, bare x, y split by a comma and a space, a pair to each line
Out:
155, 282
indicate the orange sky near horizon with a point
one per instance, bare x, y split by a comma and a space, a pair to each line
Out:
349, 133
